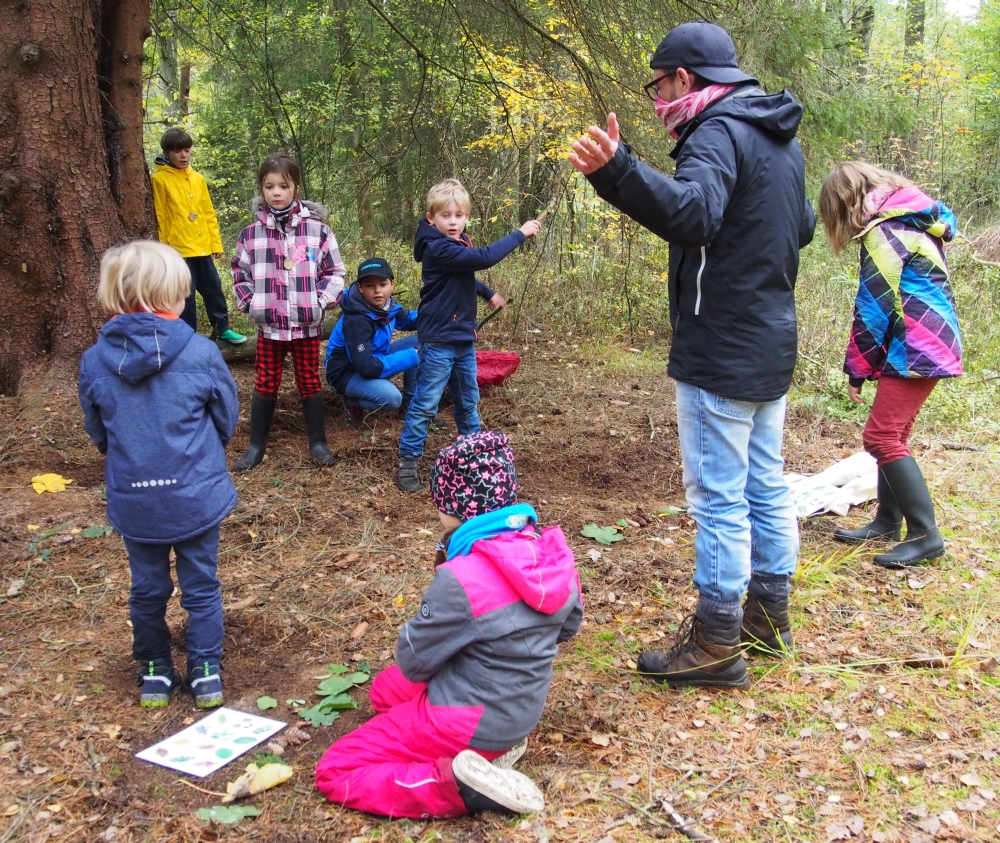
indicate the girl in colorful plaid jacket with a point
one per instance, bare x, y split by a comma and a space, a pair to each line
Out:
905, 337
287, 270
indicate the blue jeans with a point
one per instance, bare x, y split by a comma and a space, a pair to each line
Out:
201, 597
380, 394
738, 496
451, 365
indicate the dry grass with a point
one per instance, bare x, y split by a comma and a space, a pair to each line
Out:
844, 741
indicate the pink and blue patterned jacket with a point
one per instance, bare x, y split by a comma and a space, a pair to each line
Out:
288, 303
905, 325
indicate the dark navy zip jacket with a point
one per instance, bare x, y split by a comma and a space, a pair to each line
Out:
159, 401
360, 341
735, 214
448, 295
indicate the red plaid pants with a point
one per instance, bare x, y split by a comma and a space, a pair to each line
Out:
271, 360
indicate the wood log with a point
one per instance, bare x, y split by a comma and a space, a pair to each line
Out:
248, 350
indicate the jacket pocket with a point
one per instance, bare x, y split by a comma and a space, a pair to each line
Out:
258, 308
697, 280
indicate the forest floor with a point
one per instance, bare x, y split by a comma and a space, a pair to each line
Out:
857, 737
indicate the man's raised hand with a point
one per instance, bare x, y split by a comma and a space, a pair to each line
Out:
596, 148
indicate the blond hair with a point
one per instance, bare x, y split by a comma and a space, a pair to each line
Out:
842, 199
444, 193
142, 275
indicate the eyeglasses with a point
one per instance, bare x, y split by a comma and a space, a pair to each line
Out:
652, 89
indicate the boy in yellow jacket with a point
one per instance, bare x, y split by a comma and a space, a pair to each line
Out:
187, 222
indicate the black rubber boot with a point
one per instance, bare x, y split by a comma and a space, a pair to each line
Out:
923, 541
765, 628
888, 521
700, 657
315, 416
261, 415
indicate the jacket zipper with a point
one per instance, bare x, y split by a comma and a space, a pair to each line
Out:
701, 269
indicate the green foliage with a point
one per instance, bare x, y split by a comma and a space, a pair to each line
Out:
96, 531
264, 703
333, 687
601, 535
227, 814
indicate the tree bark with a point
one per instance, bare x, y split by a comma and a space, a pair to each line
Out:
73, 178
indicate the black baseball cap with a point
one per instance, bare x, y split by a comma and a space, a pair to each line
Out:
379, 267
701, 47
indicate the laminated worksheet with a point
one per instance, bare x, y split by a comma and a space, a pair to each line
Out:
212, 742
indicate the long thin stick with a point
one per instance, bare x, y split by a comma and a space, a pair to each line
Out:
201, 789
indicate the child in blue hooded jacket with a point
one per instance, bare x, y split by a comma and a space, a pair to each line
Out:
447, 328
160, 403
362, 355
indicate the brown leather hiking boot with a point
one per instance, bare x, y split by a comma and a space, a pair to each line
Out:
699, 657
765, 628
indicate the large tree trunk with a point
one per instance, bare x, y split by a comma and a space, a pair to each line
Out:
73, 177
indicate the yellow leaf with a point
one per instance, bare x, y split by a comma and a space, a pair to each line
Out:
252, 534
32, 527
49, 483
13, 809
397, 601
75, 530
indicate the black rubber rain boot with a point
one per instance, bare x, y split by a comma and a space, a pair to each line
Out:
315, 416
261, 416
888, 521
923, 541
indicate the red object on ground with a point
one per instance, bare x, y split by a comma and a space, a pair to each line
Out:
494, 367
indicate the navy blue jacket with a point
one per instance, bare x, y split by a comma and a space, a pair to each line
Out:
448, 295
735, 214
361, 338
160, 402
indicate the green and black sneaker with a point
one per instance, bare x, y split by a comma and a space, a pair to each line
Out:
159, 682
205, 683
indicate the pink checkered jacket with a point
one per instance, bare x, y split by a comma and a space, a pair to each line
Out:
288, 303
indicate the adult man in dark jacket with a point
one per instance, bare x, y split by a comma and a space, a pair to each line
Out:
735, 215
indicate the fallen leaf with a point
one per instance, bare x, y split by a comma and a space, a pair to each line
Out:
49, 483
14, 588
112, 731
949, 818
264, 703
359, 630
601, 740
398, 601
13, 809
971, 779
227, 814
252, 534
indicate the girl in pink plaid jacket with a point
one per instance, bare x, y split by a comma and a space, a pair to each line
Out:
287, 270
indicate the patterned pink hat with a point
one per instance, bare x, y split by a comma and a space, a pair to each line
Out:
473, 475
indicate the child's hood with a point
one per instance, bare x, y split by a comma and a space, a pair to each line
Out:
915, 207
137, 345
540, 568
258, 207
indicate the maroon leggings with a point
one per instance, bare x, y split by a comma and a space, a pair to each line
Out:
894, 410
271, 360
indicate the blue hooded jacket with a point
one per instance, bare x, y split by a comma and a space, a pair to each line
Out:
448, 295
360, 341
160, 402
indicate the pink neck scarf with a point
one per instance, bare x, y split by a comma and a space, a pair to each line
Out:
678, 112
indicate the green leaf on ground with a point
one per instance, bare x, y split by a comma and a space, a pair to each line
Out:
670, 511
96, 531
264, 703
338, 702
601, 535
317, 716
227, 814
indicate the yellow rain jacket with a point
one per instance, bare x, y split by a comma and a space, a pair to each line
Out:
184, 211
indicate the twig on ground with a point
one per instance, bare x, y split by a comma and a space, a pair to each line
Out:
201, 789
652, 429
685, 827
